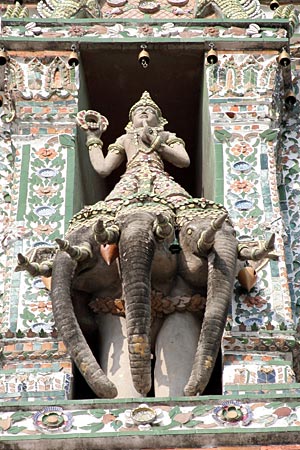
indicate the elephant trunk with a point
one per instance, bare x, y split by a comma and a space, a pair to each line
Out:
70, 331
221, 276
136, 253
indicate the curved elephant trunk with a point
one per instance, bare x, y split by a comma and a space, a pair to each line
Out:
70, 331
221, 275
136, 248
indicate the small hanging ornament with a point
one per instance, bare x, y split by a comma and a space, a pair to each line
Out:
109, 252
47, 282
247, 277
175, 247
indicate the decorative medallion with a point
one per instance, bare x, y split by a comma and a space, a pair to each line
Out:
254, 321
143, 414
116, 3
178, 2
47, 172
44, 211
43, 244
144, 417
242, 166
53, 419
149, 7
232, 413
38, 283
243, 205
42, 326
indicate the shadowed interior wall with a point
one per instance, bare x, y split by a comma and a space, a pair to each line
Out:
114, 81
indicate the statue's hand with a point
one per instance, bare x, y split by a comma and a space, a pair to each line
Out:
148, 134
92, 122
93, 133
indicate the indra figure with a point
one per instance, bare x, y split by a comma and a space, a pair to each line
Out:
145, 145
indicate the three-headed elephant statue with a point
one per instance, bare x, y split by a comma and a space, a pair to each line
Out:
151, 318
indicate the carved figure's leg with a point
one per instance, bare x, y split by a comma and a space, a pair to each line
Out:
175, 350
114, 354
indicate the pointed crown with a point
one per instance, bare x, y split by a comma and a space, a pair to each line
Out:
146, 100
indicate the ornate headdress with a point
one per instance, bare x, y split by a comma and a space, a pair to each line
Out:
146, 100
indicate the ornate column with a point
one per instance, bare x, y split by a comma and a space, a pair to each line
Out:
245, 103
37, 184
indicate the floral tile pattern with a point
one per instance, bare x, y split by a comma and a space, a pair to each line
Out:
259, 416
35, 163
245, 122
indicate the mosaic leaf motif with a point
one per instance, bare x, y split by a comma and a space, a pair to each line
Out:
117, 412
201, 410
222, 135
98, 413
266, 377
116, 424
269, 135
193, 423
16, 430
66, 140
174, 411
93, 427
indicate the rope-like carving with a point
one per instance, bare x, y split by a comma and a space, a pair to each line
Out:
232, 9
15, 76
66, 9
16, 11
287, 12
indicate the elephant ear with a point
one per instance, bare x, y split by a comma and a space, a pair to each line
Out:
221, 276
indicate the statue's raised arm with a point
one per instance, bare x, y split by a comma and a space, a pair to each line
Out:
94, 124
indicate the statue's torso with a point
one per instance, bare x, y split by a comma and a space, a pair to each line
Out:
145, 173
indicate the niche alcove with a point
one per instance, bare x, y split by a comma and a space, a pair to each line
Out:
111, 81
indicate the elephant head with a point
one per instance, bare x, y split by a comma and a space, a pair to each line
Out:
208, 263
141, 235
79, 266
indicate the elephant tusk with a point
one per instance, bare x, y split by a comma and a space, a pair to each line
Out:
108, 235
35, 269
257, 251
78, 253
207, 238
162, 227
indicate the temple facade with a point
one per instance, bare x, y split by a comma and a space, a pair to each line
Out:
226, 75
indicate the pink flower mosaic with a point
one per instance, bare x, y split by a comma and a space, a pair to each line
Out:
241, 148
240, 186
44, 153
257, 301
